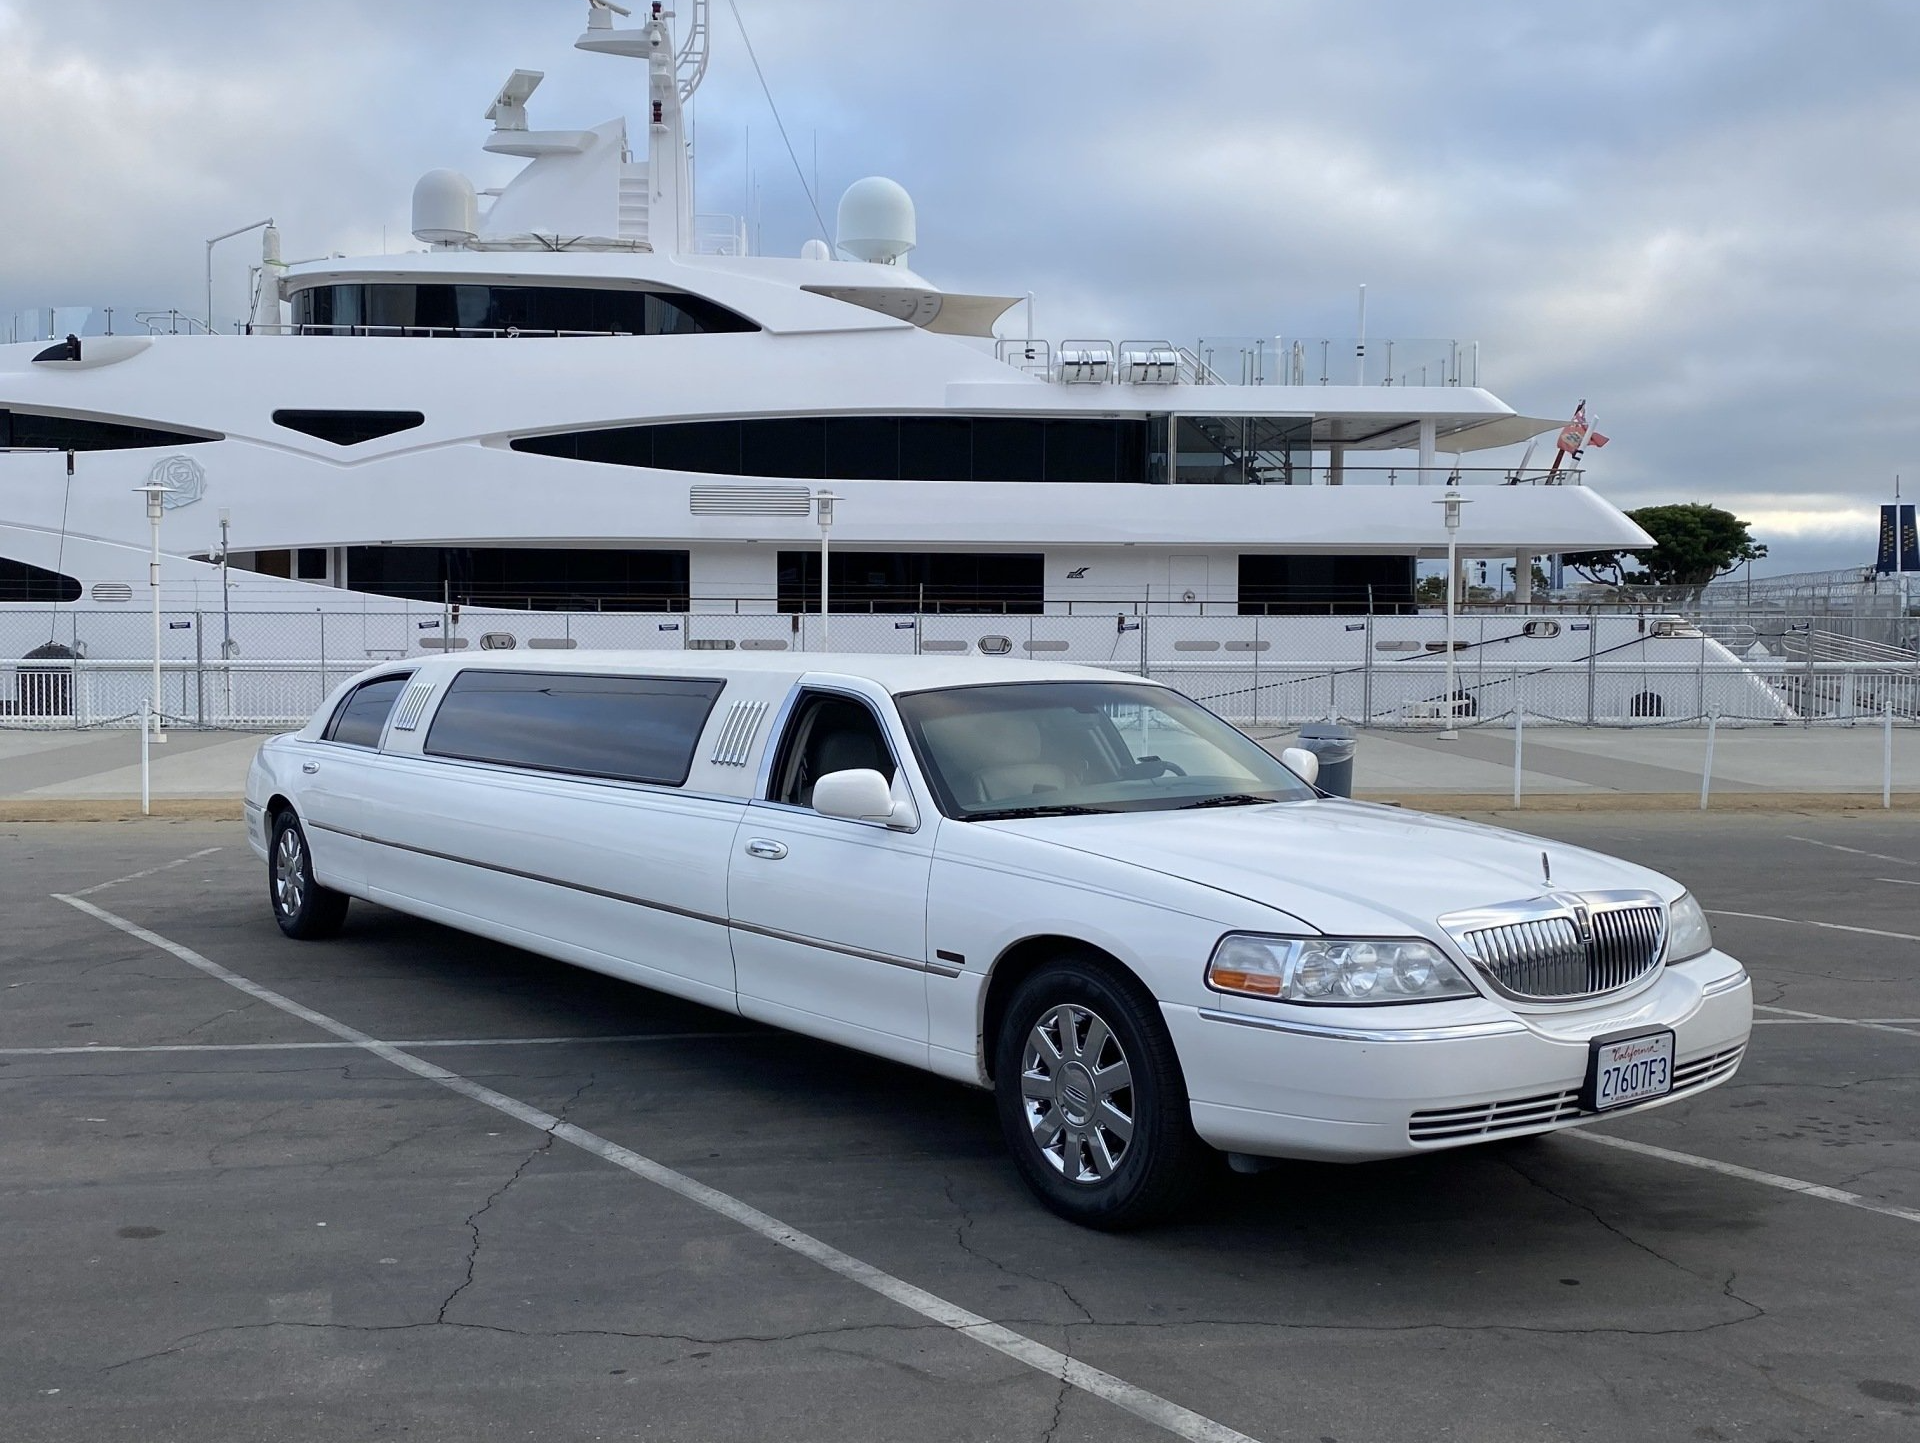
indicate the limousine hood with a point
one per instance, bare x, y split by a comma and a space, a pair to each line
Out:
1344, 867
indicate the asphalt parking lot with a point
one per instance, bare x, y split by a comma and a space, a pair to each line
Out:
221, 1219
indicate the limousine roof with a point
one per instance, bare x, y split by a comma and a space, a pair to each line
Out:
892, 673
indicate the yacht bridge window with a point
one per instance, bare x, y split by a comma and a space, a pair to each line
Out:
458, 309
1323, 585
32, 431
877, 582
524, 577
1243, 450
873, 448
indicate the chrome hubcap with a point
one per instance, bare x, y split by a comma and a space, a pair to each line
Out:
289, 873
1077, 1090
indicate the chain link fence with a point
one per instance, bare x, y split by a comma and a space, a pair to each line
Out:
268, 669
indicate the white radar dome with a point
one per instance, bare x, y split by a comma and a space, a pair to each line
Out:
875, 222
445, 210
816, 250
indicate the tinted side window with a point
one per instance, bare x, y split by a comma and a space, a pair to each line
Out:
633, 728
363, 715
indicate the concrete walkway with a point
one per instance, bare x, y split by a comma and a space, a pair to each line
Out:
61, 775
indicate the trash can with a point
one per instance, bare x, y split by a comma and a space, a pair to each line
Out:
1333, 744
47, 689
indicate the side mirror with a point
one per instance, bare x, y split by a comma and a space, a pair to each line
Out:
1302, 763
861, 794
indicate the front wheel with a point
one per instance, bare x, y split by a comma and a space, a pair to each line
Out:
303, 908
1091, 1099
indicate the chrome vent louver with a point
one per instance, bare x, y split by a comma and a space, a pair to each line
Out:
1564, 946
735, 742
406, 716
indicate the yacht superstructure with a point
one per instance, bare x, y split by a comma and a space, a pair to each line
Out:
582, 397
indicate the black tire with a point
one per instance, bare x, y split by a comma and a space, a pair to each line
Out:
1061, 1117
303, 908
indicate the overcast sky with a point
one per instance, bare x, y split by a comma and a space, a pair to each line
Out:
1701, 215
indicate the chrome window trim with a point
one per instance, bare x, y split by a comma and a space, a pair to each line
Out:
619, 784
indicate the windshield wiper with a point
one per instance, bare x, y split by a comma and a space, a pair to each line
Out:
1007, 814
1227, 799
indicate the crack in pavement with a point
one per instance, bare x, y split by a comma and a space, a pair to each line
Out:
1727, 1289
188, 1341
473, 1219
965, 1225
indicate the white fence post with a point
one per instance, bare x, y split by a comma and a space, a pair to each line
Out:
1886, 749
1706, 772
1519, 736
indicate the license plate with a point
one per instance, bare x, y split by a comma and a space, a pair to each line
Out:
1630, 1068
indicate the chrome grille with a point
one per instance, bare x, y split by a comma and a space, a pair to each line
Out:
1496, 1117
1565, 946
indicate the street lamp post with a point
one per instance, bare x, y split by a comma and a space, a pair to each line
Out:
1451, 502
823, 513
150, 732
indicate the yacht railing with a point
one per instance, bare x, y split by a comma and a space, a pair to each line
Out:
1248, 361
458, 332
171, 323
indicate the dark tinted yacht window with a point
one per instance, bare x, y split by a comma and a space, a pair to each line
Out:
633, 728
363, 715
31, 431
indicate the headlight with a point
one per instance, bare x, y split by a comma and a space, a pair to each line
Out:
1687, 932
1342, 971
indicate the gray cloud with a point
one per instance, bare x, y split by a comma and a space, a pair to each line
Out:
1699, 217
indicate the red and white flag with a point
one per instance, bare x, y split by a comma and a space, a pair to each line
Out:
1574, 433
1596, 440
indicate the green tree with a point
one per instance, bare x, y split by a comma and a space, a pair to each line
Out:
1693, 544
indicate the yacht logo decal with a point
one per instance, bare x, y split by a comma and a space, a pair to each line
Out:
1077, 574
184, 475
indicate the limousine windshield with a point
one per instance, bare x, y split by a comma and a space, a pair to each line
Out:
1064, 748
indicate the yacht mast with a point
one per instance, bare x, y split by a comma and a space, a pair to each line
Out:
673, 74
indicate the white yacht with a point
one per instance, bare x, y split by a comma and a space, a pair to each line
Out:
580, 413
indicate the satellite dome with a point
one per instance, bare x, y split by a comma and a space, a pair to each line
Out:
816, 250
445, 209
876, 221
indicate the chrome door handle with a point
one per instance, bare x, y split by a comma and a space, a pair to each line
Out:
764, 847
309, 767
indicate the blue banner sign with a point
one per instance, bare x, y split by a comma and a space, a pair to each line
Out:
1899, 539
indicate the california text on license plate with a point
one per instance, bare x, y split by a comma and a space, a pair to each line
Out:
1628, 1068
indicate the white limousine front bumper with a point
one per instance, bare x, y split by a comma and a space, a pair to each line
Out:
1284, 1083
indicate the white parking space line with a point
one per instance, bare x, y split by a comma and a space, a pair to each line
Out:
1749, 1174
1899, 881
1855, 851
1817, 1021
1161, 1412
150, 871
336, 1046
1804, 922
1789, 1014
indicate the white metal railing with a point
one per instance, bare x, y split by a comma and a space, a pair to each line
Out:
1248, 682
1259, 361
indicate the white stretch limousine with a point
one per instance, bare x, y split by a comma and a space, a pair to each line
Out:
1078, 888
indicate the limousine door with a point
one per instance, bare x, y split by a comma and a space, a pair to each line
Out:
339, 776
830, 916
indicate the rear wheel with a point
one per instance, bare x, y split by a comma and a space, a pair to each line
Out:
1091, 1098
303, 908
